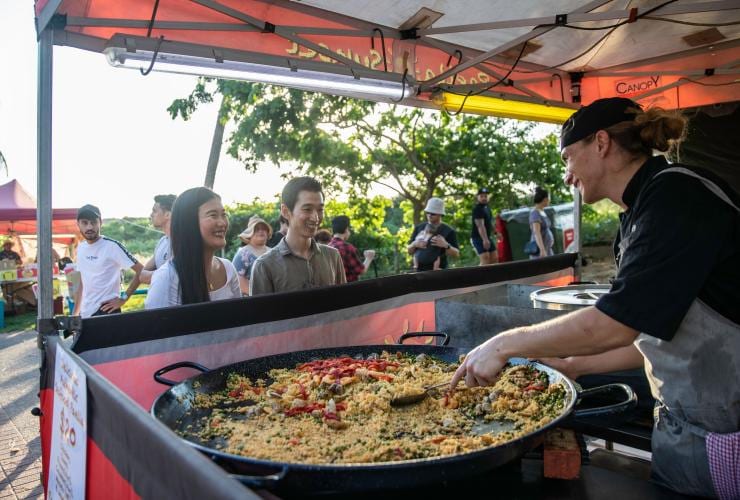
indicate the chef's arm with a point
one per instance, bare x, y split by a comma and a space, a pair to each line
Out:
622, 358
583, 332
580, 333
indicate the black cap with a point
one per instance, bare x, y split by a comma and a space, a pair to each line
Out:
89, 212
598, 115
483, 191
339, 224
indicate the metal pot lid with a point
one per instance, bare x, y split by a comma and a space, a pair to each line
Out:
580, 295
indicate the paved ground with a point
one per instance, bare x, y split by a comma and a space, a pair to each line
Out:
20, 447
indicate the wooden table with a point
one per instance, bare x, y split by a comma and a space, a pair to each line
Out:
9, 292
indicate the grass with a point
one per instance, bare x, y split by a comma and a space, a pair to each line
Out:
135, 303
19, 322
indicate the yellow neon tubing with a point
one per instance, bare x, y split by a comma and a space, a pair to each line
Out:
493, 106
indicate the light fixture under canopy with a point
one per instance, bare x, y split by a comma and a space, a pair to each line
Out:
504, 108
179, 58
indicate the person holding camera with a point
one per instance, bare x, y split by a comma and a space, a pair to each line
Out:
433, 241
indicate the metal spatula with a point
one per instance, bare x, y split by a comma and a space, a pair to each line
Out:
416, 397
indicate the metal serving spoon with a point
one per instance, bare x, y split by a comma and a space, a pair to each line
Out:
415, 397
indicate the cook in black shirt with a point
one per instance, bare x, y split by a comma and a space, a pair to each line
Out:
673, 308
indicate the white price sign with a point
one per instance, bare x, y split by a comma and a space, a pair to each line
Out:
69, 430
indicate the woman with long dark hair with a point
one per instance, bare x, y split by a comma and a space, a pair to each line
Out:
195, 274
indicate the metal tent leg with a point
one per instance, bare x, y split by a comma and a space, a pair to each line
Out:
43, 194
577, 216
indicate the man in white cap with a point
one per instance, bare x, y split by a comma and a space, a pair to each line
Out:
439, 240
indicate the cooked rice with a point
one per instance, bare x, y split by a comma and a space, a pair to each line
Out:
338, 411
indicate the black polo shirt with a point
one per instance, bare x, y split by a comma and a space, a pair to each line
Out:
677, 241
482, 211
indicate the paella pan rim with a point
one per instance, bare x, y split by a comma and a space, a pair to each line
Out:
570, 400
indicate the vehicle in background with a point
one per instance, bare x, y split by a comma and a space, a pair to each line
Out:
517, 233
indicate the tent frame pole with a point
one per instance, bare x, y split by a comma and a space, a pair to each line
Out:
577, 217
43, 174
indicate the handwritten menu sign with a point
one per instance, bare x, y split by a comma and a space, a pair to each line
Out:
69, 431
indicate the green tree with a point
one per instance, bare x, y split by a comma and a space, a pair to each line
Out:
136, 234
350, 144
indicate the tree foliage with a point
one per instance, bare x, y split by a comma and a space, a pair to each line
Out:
351, 144
136, 234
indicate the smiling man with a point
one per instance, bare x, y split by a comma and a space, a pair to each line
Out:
100, 261
298, 262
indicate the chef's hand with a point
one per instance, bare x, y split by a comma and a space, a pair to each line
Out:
440, 241
112, 305
481, 366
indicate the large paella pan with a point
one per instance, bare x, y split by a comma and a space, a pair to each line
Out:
287, 421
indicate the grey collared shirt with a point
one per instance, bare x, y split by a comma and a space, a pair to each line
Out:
281, 270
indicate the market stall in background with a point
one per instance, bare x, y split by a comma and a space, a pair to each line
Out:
18, 280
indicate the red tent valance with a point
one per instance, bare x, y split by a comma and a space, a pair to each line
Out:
18, 213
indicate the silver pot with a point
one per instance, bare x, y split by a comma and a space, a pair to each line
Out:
568, 298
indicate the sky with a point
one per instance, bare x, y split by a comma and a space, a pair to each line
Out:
114, 144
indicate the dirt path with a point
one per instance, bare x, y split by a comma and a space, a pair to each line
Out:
20, 447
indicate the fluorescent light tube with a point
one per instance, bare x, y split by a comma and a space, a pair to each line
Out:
315, 81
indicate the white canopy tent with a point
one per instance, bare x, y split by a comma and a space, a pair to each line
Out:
527, 59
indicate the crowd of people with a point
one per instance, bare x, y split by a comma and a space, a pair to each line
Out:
679, 322
186, 268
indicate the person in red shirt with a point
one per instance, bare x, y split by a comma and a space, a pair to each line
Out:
353, 268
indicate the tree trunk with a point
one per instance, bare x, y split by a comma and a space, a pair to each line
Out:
218, 138
418, 211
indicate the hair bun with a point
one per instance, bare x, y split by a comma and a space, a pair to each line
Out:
661, 129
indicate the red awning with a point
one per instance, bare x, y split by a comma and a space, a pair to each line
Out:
18, 213
677, 55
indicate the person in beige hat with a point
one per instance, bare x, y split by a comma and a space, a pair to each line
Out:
9, 254
254, 239
439, 240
